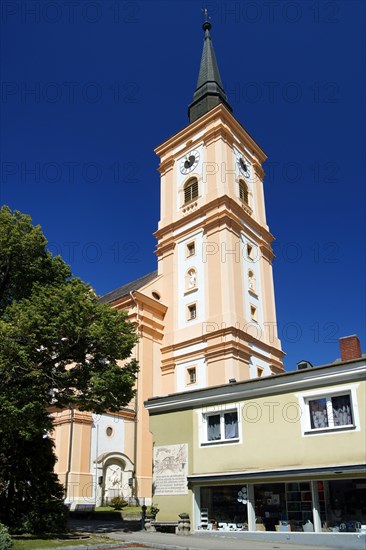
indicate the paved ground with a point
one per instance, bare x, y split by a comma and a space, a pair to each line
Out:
124, 534
201, 542
226, 542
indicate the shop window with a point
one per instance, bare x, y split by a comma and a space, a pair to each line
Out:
221, 508
270, 508
343, 504
329, 412
299, 503
221, 427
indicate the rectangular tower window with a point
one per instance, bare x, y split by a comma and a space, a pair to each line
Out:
253, 313
191, 249
192, 312
191, 375
250, 252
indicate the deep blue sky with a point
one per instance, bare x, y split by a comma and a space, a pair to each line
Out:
112, 80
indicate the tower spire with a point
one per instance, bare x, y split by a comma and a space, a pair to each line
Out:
209, 90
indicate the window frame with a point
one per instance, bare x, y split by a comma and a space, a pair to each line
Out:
249, 252
244, 192
189, 316
191, 184
189, 247
328, 394
253, 313
221, 412
190, 370
260, 372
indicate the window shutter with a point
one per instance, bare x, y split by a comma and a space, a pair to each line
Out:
191, 191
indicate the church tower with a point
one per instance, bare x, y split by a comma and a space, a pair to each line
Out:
214, 247
207, 317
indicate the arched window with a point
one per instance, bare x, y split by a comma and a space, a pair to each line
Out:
243, 192
190, 190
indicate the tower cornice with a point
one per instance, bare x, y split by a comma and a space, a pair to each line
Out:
167, 165
224, 340
210, 215
200, 127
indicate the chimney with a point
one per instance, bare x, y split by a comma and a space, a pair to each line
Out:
350, 348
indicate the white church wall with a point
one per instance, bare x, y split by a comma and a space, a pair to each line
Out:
196, 294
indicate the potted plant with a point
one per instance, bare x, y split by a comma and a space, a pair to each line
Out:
118, 503
152, 511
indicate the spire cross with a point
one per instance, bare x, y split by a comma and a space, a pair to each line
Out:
207, 17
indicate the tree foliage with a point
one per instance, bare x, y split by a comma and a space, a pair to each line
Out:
59, 347
5, 539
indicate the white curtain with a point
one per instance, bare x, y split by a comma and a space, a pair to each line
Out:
213, 427
231, 425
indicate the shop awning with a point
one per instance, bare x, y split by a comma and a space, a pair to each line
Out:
327, 472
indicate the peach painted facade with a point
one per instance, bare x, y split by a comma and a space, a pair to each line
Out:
223, 333
206, 317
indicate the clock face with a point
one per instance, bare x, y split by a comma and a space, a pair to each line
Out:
189, 162
244, 167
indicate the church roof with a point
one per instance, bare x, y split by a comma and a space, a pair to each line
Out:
209, 91
127, 288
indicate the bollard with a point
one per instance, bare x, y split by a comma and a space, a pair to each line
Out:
143, 516
184, 524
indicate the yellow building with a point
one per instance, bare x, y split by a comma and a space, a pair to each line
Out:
207, 315
285, 452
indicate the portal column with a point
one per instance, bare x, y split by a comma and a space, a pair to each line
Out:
316, 513
251, 508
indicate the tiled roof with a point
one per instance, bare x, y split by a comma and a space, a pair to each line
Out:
129, 287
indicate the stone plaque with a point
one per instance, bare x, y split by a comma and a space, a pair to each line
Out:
170, 470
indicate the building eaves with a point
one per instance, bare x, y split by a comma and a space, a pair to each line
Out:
127, 288
260, 387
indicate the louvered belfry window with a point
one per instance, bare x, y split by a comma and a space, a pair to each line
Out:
243, 192
190, 190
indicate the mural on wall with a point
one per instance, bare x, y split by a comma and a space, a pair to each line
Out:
170, 470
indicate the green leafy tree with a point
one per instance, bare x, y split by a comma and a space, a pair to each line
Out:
5, 539
59, 347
